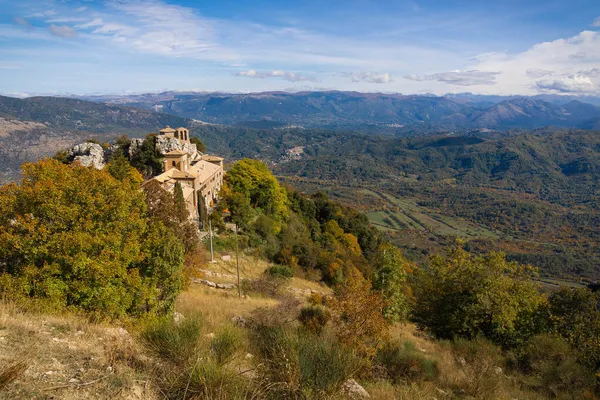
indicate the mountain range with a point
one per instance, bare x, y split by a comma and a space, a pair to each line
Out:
389, 112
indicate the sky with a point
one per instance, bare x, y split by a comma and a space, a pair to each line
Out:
503, 47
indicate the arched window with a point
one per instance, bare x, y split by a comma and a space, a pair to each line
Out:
173, 163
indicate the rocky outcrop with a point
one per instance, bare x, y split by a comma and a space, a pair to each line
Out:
352, 390
134, 146
88, 154
165, 144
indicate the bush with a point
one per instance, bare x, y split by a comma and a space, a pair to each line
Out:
176, 342
265, 285
280, 271
480, 360
403, 362
300, 365
552, 366
314, 318
210, 380
324, 365
191, 369
225, 345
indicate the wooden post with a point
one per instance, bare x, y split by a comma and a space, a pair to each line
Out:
237, 261
212, 255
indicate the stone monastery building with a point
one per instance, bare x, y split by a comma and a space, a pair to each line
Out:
200, 175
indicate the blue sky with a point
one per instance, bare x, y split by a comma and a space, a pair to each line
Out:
136, 46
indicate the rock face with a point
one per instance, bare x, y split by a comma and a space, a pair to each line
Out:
134, 146
88, 154
352, 390
165, 144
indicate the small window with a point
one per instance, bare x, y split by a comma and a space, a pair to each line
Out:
173, 163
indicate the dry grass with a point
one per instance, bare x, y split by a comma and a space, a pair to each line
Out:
11, 372
252, 268
218, 307
67, 358
457, 377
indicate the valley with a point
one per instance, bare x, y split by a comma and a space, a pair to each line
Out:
529, 192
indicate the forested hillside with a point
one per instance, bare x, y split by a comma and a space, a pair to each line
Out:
531, 193
326, 301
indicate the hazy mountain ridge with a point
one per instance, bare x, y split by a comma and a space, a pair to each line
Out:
337, 109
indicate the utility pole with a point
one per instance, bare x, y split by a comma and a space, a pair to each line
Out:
237, 261
212, 255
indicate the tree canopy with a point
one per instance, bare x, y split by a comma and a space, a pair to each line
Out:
79, 238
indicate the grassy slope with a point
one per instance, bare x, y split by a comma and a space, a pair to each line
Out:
69, 358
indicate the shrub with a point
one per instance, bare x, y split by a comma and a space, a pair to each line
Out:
176, 342
480, 360
225, 345
210, 380
552, 366
314, 318
277, 355
280, 271
266, 285
324, 365
403, 362
300, 365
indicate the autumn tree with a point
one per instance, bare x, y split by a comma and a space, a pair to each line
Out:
357, 315
76, 237
390, 270
466, 295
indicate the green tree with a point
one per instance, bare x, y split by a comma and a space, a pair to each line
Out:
574, 314
147, 159
467, 296
200, 146
389, 277
75, 237
164, 207
254, 181
119, 167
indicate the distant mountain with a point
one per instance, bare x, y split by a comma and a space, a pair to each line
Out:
370, 111
64, 113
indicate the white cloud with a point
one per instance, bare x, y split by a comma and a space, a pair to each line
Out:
596, 22
162, 28
62, 31
538, 73
568, 84
460, 78
371, 77
572, 60
287, 75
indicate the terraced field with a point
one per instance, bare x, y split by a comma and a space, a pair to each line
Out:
405, 213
